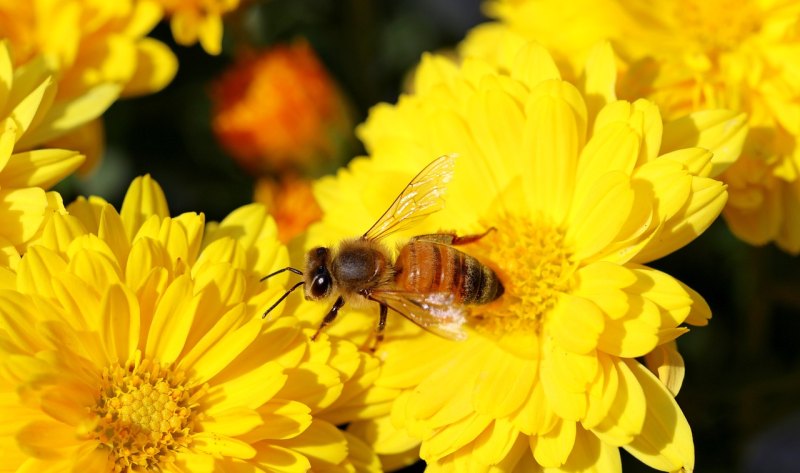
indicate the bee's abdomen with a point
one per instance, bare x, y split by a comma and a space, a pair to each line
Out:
426, 267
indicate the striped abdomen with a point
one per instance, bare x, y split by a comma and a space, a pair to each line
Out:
425, 267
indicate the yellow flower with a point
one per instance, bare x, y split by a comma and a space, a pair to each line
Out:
286, 91
25, 94
583, 191
133, 341
688, 55
96, 51
198, 20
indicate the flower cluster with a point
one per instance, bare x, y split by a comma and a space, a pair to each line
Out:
583, 190
689, 55
133, 341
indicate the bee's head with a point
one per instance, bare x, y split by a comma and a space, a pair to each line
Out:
318, 281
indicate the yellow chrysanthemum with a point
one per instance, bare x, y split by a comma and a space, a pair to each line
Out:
96, 51
689, 55
198, 20
24, 205
583, 190
131, 341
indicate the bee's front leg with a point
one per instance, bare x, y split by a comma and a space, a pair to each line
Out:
380, 328
330, 316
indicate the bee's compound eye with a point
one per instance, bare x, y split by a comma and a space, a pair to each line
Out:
320, 285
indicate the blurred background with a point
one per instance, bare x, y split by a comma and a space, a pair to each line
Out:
742, 388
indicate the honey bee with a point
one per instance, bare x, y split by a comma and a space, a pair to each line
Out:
431, 283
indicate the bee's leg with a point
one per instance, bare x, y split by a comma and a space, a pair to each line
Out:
453, 239
380, 328
329, 316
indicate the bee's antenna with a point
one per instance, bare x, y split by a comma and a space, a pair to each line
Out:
284, 296
294, 270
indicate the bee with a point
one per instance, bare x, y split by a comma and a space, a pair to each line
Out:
431, 283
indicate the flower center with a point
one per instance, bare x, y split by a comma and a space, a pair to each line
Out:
718, 25
535, 266
146, 413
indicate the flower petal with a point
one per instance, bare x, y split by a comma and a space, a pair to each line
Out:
172, 320
40, 168
666, 439
156, 66
723, 132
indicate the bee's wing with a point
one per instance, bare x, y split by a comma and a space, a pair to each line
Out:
435, 312
421, 197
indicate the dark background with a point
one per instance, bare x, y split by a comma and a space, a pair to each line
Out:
742, 388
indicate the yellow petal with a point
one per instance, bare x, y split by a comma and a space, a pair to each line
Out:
222, 445
566, 377
112, 231
184, 26
553, 448
22, 213
591, 455
322, 443
8, 138
39, 262
67, 401
281, 419
156, 66
533, 64
147, 255
514, 374
66, 115
433, 69
120, 323
384, 437
361, 456
217, 356
26, 107
210, 33
143, 200
614, 147
554, 132
44, 439
495, 443
6, 73
666, 439
635, 333
15, 313
91, 260
171, 321
600, 215
600, 78
445, 441
60, 231
233, 422
576, 323
720, 131
704, 205
42, 168
667, 363
280, 459
314, 384
643, 117
535, 416
250, 389
625, 415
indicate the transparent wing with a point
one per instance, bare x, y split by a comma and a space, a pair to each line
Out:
422, 196
435, 312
